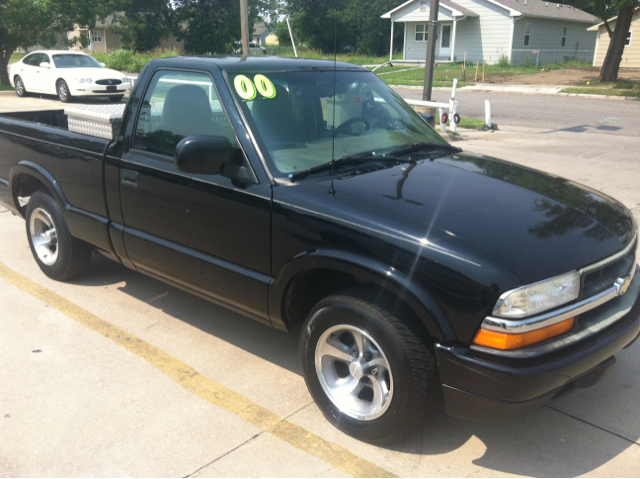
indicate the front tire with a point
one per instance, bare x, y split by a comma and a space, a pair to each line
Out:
368, 373
21, 91
64, 94
59, 255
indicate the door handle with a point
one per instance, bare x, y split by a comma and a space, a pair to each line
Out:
129, 178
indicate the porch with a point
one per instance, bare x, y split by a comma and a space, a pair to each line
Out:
414, 14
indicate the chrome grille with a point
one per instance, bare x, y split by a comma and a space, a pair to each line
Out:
108, 82
603, 278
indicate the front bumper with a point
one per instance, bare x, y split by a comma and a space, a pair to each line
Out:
489, 387
91, 89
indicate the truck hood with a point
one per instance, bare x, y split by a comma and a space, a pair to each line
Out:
537, 224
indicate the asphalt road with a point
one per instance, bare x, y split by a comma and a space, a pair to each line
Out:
551, 112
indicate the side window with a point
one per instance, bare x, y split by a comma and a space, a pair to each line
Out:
31, 59
527, 33
564, 37
177, 105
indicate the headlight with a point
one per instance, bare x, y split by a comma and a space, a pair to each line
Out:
125, 80
538, 297
81, 80
89, 80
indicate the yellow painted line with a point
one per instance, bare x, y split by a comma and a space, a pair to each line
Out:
203, 387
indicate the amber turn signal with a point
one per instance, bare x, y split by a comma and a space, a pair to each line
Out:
507, 341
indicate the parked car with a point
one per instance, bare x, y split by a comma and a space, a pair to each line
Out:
307, 195
67, 74
253, 48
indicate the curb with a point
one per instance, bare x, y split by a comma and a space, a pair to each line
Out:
583, 95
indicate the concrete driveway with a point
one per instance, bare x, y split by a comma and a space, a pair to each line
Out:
117, 374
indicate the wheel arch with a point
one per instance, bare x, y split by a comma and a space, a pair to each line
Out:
310, 276
27, 177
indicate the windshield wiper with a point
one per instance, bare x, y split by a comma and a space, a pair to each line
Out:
345, 160
421, 146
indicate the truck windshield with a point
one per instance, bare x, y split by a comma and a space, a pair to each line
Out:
75, 61
306, 119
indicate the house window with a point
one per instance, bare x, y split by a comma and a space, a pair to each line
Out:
628, 42
527, 34
564, 36
96, 36
422, 32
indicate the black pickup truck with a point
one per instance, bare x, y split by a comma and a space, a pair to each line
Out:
308, 195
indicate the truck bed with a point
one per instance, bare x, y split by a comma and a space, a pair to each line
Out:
69, 163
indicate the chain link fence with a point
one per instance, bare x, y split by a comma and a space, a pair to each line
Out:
541, 56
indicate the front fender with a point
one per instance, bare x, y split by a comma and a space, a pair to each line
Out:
364, 270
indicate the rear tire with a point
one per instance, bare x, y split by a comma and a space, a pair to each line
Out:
59, 255
21, 91
116, 99
390, 360
64, 95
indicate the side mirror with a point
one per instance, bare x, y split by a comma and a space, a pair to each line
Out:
45, 65
205, 154
429, 118
104, 65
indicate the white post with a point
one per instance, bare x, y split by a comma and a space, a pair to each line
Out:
487, 113
292, 41
452, 106
453, 40
391, 47
443, 126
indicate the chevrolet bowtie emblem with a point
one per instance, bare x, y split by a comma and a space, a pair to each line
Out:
622, 284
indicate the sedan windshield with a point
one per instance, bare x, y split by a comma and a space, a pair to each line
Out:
75, 61
307, 119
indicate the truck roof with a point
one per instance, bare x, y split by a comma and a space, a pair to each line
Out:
257, 63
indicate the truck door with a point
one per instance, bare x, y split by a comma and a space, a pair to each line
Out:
208, 233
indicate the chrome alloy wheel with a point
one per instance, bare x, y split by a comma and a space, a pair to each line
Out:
43, 236
63, 92
354, 372
19, 87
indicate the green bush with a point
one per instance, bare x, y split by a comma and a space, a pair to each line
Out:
504, 62
131, 62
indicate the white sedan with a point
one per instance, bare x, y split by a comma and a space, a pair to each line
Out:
67, 74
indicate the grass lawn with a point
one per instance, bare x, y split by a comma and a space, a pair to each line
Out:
15, 57
469, 123
617, 88
6, 88
341, 57
445, 73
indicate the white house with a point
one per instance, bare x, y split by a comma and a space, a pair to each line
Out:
490, 29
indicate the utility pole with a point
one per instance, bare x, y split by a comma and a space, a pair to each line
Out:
431, 49
244, 26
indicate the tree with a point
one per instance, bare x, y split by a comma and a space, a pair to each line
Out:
143, 24
212, 26
617, 38
605, 9
372, 32
321, 24
25, 23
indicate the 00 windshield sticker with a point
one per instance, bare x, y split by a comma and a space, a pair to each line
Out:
246, 89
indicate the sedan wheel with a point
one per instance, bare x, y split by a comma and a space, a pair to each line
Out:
21, 91
63, 92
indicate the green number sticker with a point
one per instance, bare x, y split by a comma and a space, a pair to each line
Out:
244, 87
265, 86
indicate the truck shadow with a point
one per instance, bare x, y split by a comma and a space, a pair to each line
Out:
555, 441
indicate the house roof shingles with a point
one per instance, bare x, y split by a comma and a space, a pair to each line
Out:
541, 8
